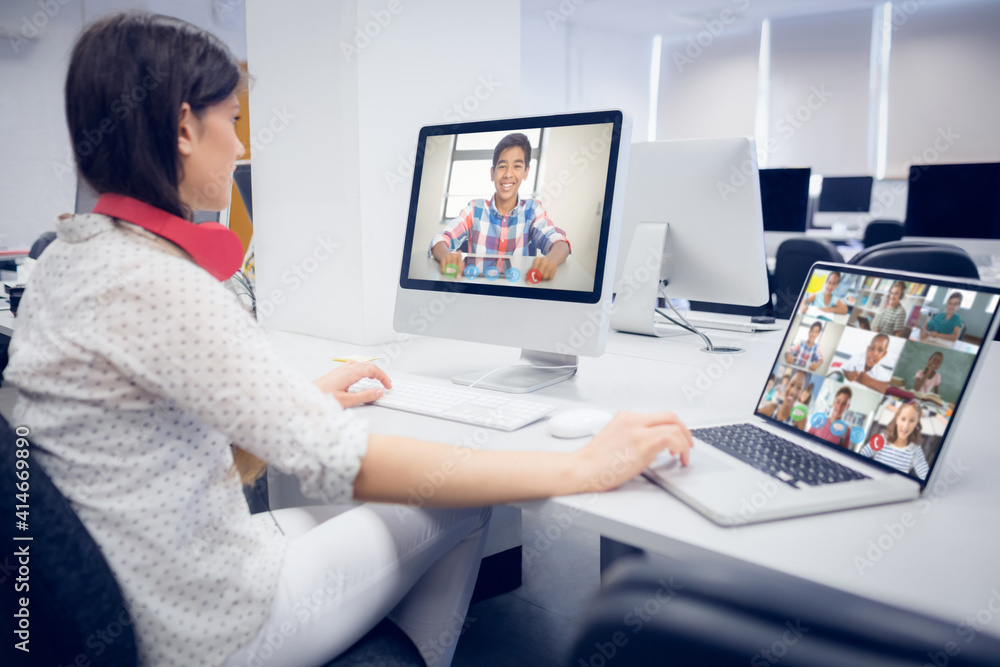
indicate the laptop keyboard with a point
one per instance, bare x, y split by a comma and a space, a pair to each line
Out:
776, 456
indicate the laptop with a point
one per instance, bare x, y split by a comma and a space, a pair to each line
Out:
851, 419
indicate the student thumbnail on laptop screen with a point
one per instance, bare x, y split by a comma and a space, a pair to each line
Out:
520, 208
877, 365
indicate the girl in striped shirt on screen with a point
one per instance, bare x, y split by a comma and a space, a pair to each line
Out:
902, 443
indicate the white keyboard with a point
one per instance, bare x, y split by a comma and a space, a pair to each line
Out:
461, 404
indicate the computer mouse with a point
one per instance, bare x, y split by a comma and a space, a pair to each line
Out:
578, 423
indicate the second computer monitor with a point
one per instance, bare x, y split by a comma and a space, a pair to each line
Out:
846, 194
708, 193
784, 199
954, 201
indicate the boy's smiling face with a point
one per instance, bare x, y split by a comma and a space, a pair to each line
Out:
507, 175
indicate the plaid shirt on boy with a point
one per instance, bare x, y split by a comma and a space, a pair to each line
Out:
804, 354
480, 229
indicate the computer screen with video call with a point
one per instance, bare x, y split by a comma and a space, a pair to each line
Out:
515, 207
878, 364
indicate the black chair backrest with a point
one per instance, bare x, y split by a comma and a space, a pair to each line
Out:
40, 244
77, 614
791, 266
922, 257
882, 231
724, 612
919, 256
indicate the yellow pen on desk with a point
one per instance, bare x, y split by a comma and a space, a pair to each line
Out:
360, 358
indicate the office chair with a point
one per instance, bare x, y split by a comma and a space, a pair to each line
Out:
882, 231
40, 244
791, 266
727, 613
920, 256
73, 594
76, 607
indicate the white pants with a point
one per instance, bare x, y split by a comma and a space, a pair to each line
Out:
344, 574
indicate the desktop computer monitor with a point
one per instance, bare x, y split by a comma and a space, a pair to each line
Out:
845, 194
692, 218
494, 208
954, 201
784, 199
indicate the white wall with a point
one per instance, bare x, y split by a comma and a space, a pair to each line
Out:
437, 160
944, 90
569, 66
544, 63
575, 203
709, 90
35, 183
37, 175
819, 103
340, 173
609, 69
942, 73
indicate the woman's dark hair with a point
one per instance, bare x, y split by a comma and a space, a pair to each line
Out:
129, 74
511, 140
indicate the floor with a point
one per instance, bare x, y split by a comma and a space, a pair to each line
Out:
534, 625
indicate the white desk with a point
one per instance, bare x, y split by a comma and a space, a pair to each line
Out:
945, 563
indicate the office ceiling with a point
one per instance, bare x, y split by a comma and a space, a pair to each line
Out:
684, 17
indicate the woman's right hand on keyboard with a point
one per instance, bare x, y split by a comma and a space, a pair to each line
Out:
628, 445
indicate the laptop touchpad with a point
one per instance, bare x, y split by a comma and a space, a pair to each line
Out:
702, 461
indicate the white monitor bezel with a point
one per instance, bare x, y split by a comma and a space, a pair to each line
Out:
564, 322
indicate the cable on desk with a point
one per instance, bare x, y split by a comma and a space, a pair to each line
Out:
686, 325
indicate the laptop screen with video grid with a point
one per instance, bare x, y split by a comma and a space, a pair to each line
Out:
877, 364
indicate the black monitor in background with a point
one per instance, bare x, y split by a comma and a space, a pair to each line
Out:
242, 178
954, 201
846, 194
784, 199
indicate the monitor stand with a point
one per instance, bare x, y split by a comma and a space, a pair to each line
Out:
635, 302
535, 370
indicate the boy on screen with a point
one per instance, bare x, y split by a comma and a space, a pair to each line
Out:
806, 353
841, 401
865, 367
504, 224
946, 325
784, 410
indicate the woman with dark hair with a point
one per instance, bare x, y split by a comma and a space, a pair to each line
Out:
134, 384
